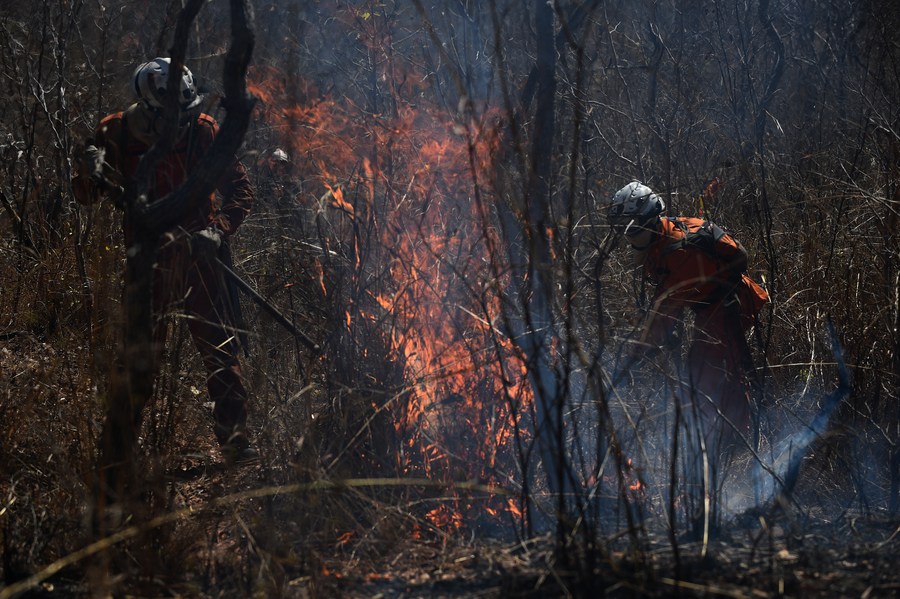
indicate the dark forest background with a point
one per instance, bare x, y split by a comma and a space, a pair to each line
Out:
438, 229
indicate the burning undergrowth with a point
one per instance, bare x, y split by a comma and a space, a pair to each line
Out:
407, 256
409, 264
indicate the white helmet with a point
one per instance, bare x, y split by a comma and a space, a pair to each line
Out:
634, 204
150, 81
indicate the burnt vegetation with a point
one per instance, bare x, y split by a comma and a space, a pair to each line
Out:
431, 181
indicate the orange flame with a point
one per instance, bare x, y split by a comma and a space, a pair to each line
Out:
338, 201
513, 508
409, 178
320, 275
445, 517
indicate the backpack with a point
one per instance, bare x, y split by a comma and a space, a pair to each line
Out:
711, 239
707, 238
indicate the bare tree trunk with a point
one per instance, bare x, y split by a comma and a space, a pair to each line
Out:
541, 331
892, 295
527, 240
528, 230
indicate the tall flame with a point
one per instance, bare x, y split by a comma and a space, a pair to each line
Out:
411, 178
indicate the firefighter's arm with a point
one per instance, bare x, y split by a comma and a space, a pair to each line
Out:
234, 188
237, 199
94, 174
89, 160
734, 257
662, 327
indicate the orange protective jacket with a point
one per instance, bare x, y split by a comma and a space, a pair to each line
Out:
124, 151
688, 276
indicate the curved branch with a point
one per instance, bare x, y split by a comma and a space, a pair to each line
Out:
135, 198
168, 210
775, 77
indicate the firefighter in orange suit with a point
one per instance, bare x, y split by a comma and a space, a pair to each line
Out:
185, 275
696, 265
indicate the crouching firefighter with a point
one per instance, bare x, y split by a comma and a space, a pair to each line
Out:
186, 273
696, 265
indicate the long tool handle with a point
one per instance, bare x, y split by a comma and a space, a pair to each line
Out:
272, 310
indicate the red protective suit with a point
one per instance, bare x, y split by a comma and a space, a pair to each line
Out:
709, 279
196, 287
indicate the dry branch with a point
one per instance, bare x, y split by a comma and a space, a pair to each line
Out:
229, 500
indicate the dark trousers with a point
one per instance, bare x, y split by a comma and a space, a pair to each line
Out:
197, 290
717, 368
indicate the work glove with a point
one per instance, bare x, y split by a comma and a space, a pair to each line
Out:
93, 163
205, 244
